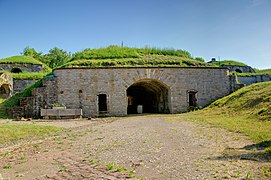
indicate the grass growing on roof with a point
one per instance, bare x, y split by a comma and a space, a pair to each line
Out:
145, 61
117, 52
20, 60
228, 63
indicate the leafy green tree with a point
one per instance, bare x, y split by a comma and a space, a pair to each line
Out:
31, 52
56, 57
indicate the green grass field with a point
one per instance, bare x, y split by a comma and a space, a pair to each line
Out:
15, 132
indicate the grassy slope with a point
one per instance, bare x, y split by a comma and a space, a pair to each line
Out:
263, 71
247, 110
130, 57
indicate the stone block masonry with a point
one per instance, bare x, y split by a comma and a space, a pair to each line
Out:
119, 91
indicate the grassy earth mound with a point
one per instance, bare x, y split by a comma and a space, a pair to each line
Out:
26, 60
248, 110
115, 56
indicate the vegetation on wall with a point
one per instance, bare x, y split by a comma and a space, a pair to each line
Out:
147, 61
228, 63
117, 52
129, 57
112, 55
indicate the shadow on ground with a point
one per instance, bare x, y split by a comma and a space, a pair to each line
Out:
253, 152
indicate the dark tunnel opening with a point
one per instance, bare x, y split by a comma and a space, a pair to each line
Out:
152, 95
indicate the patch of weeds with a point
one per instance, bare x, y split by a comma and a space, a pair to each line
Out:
22, 159
268, 150
36, 145
46, 150
7, 166
249, 176
60, 142
237, 175
111, 166
120, 169
56, 138
131, 173
266, 171
62, 169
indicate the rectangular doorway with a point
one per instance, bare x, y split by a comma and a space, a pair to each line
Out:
102, 103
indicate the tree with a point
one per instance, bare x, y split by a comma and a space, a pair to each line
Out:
56, 57
31, 52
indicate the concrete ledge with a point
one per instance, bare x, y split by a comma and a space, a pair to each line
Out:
61, 113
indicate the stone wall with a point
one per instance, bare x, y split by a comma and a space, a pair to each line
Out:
22, 67
240, 69
20, 84
80, 88
44, 96
247, 80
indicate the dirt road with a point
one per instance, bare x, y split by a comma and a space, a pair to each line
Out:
149, 147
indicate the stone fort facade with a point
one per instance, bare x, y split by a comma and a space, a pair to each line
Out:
120, 91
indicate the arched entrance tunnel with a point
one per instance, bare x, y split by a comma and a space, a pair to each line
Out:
151, 94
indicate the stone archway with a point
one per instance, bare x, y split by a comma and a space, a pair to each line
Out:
16, 70
151, 94
238, 70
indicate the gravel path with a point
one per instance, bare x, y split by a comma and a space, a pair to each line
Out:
149, 147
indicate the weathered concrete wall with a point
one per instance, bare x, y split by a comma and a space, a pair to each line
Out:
247, 80
20, 84
79, 88
22, 67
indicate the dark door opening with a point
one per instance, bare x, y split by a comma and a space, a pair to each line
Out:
150, 94
102, 103
192, 100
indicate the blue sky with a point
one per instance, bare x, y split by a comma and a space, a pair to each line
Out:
229, 29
